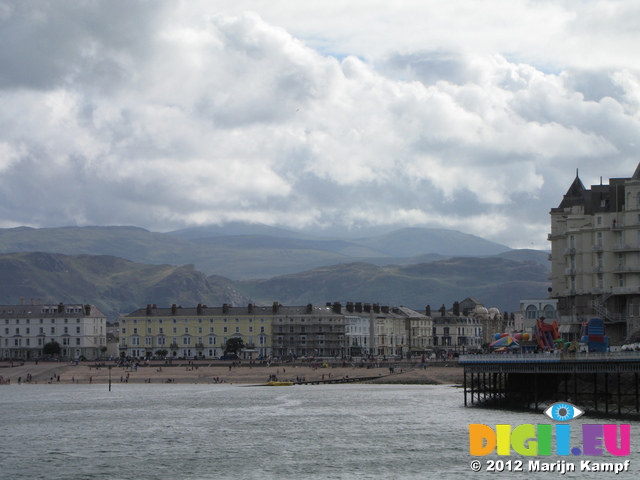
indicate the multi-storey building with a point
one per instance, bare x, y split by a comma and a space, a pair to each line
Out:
357, 329
595, 254
309, 331
383, 331
459, 331
200, 332
419, 330
80, 330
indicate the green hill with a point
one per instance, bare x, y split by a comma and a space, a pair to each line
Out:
113, 284
240, 254
495, 281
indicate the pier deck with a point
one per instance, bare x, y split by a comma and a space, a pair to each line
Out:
603, 383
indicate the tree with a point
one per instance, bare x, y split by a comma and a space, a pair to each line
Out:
103, 350
51, 348
162, 353
234, 345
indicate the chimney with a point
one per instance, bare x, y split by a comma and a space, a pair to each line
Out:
428, 311
155, 306
350, 307
309, 308
250, 308
148, 309
456, 309
359, 307
225, 308
337, 307
367, 308
275, 307
384, 309
443, 310
376, 308
87, 310
60, 307
174, 309
199, 309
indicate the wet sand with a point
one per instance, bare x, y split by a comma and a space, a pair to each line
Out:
222, 372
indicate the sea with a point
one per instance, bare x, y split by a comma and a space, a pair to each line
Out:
353, 431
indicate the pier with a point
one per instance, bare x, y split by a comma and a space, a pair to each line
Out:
600, 383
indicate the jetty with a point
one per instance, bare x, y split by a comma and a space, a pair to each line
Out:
600, 383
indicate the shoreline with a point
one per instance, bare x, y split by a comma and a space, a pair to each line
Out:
217, 372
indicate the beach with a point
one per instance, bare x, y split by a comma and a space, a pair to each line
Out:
211, 372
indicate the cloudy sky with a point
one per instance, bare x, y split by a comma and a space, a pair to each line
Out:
315, 114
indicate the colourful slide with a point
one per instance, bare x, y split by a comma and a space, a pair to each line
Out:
547, 334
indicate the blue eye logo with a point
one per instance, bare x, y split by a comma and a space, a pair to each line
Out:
563, 412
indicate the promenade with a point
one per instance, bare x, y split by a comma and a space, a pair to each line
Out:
212, 372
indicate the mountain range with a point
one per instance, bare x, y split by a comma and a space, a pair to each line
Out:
123, 268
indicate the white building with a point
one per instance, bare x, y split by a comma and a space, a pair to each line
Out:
80, 330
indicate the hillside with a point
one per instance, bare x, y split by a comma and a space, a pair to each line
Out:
244, 251
495, 281
113, 284
119, 286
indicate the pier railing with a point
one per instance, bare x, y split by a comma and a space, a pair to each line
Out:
550, 358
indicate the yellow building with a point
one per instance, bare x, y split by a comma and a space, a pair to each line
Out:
198, 332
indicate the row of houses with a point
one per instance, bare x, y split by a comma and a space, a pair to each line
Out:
331, 330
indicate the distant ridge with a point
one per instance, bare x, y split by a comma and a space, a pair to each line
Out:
246, 251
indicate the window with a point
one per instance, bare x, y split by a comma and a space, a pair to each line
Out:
237, 329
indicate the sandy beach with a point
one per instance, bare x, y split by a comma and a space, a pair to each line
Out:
220, 372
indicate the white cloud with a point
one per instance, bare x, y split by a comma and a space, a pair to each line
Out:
430, 113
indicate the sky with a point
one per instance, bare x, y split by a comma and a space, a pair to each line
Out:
326, 116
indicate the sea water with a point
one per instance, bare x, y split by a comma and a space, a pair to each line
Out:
242, 432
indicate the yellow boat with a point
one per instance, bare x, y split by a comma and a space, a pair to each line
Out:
279, 384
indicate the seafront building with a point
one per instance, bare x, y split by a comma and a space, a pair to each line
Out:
309, 331
196, 332
595, 255
80, 330
331, 330
459, 330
